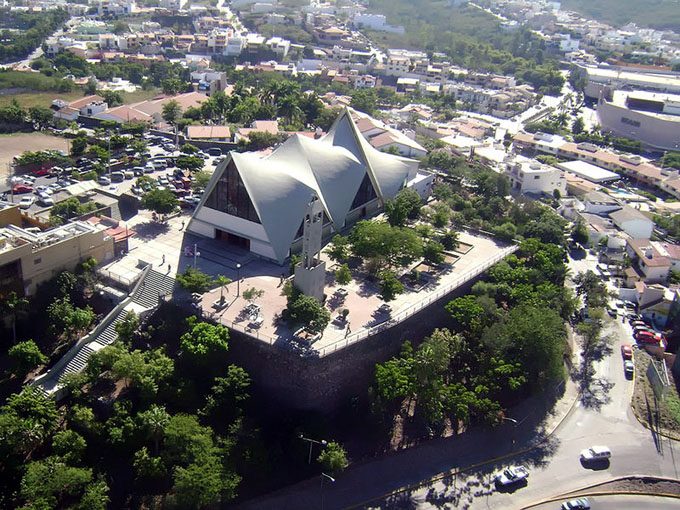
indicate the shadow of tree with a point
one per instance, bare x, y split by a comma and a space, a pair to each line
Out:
151, 229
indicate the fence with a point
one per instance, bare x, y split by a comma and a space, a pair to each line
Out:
396, 319
416, 307
127, 283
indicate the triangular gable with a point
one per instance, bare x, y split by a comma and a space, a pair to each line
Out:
279, 199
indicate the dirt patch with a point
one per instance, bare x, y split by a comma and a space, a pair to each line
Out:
643, 400
14, 145
642, 485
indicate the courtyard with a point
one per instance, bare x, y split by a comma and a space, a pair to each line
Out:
170, 250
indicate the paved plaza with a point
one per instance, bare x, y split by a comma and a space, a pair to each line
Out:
171, 250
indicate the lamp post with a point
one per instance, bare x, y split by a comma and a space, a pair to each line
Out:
311, 442
324, 475
196, 254
238, 280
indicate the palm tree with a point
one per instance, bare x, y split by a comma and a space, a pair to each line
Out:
155, 420
14, 306
222, 280
289, 109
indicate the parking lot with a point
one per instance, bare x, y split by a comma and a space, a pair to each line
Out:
37, 192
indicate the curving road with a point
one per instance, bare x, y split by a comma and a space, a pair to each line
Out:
621, 503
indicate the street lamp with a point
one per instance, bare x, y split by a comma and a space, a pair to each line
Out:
196, 254
323, 442
238, 280
324, 475
504, 418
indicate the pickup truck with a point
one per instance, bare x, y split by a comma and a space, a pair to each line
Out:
512, 475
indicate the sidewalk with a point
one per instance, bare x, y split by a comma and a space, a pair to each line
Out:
372, 480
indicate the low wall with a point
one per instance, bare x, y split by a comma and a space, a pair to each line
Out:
326, 383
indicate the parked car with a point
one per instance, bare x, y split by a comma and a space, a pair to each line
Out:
26, 202
595, 453
214, 151
42, 172
646, 337
626, 351
104, 180
117, 176
628, 368
576, 504
637, 323
45, 200
22, 188
512, 475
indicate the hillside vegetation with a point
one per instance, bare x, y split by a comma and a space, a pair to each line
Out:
661, 14
470, 37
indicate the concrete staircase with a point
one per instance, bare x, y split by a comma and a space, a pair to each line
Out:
146, 295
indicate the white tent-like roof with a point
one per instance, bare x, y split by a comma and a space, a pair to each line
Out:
333, 168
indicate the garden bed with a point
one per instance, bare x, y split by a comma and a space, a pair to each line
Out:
463, 248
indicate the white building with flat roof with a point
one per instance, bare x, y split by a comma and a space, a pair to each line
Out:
589, 172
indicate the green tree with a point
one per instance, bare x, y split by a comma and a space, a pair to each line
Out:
221, 281
69, 445
390, 286
126, 328
48, 482
190, 163
147, 466
188, 148
580, 233
161, 201
364, 100
203, 484
95, 497
194, 280
40, 116
577, 126
433, 252
333, 458
466, 313
343, 275
78, 146
308, 313
406, 205
154, 421
338, 248
171, 113
200, 180
112, 97
227, 396
204, 340
28, 418
24, 357
397, 246
14, 307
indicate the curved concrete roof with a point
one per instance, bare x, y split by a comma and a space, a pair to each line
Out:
281, 184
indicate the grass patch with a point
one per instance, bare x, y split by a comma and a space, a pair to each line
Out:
140, 95
672, 405
39, 98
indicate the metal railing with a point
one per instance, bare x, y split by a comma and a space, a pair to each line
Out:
391, 322
416, 307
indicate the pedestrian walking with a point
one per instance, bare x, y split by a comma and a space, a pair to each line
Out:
182, 227
169, 267
163, 262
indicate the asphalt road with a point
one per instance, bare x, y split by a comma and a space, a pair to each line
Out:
621, 503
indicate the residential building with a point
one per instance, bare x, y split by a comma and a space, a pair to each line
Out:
214, 133
534, 177
633, 222
652, 264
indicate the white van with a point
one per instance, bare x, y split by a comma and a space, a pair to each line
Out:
595, 453
159, 164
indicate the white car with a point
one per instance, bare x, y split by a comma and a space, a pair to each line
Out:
512, 475
45, 200
595, 453
26, 202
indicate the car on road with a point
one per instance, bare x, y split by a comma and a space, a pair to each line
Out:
22, 188
628, 368
576, 504
637, 323
646, 337
595, 453
512, 475
26, 202
626, 351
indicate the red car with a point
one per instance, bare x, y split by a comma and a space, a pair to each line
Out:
626, 351
646, 337
41, 172
21, 188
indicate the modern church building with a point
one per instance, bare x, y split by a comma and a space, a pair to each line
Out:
259, 202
